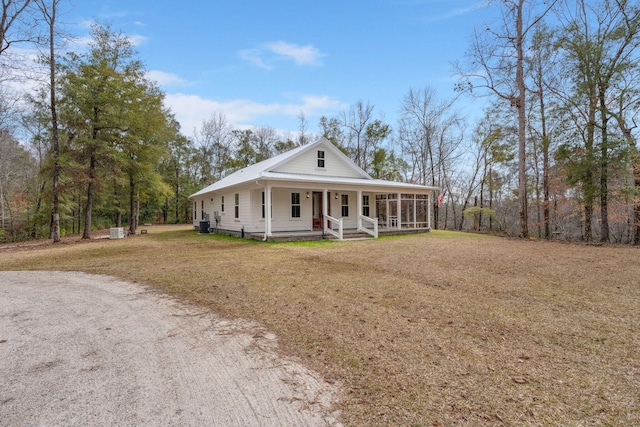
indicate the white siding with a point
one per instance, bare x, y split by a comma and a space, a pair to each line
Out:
307, 163
350, 221
282, 220
250, 214
227, 218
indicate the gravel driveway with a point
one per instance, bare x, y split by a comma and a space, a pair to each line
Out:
79, 349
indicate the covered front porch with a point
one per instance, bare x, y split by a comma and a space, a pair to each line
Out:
332, 215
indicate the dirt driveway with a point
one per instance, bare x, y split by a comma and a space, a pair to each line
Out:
79, 349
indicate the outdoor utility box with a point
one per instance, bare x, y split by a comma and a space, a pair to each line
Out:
204, 227
116, 233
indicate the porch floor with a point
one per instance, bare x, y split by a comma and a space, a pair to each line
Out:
349, 234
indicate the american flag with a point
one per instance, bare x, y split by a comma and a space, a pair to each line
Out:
441, 197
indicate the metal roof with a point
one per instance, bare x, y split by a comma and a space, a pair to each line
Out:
263, 171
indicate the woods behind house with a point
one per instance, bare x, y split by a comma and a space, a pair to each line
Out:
552, 151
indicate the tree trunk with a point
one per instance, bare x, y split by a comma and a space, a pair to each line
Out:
89, 205
604, 169
177, 195
165, 211
34, 227
636, 204
132, 207
54, 128
545, 162
490, 198
545, 186
589, 186
436, 211
522, 136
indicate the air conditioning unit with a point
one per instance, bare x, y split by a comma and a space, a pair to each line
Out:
117, 233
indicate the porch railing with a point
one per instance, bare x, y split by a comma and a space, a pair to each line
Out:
370, 231
335, 222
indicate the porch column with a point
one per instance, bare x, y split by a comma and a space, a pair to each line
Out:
267, 210
415, 211
325, 209
399, 211
359, 209
429, 205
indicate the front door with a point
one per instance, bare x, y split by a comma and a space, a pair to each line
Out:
317, 210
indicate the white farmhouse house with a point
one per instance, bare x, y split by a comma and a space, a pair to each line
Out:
314, 189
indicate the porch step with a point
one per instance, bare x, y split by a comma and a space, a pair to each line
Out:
351, 236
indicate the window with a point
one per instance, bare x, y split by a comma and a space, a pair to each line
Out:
222, 205
195, 210
237, 206
295, 205
365, 205
345, 205
202, 208
320, 159
263, 204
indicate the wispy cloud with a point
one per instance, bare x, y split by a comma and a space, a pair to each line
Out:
166, 79
313, 105
137, 39
458, 11
255, 57
306, 55
264, 55
191, 110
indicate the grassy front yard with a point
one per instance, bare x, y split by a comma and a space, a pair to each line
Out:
426, 330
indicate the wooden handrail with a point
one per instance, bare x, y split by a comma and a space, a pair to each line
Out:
374, 222
337, 221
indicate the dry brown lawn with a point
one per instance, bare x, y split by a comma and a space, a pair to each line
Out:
427, 330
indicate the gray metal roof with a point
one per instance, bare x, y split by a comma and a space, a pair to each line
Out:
263, 171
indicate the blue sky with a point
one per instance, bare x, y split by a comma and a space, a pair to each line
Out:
262, 63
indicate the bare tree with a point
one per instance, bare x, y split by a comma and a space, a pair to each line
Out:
424, 120
215, 151
627, 116
498, 59
17, 168
430, 134
541, 64
14, 26
303, 138
49, 12
355, 121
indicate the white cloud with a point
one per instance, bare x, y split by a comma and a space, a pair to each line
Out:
87, 23
266, 53
255, 57
191, 110
313, 105
307, 55
81, 42
459, 11
165, 79
137, 39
